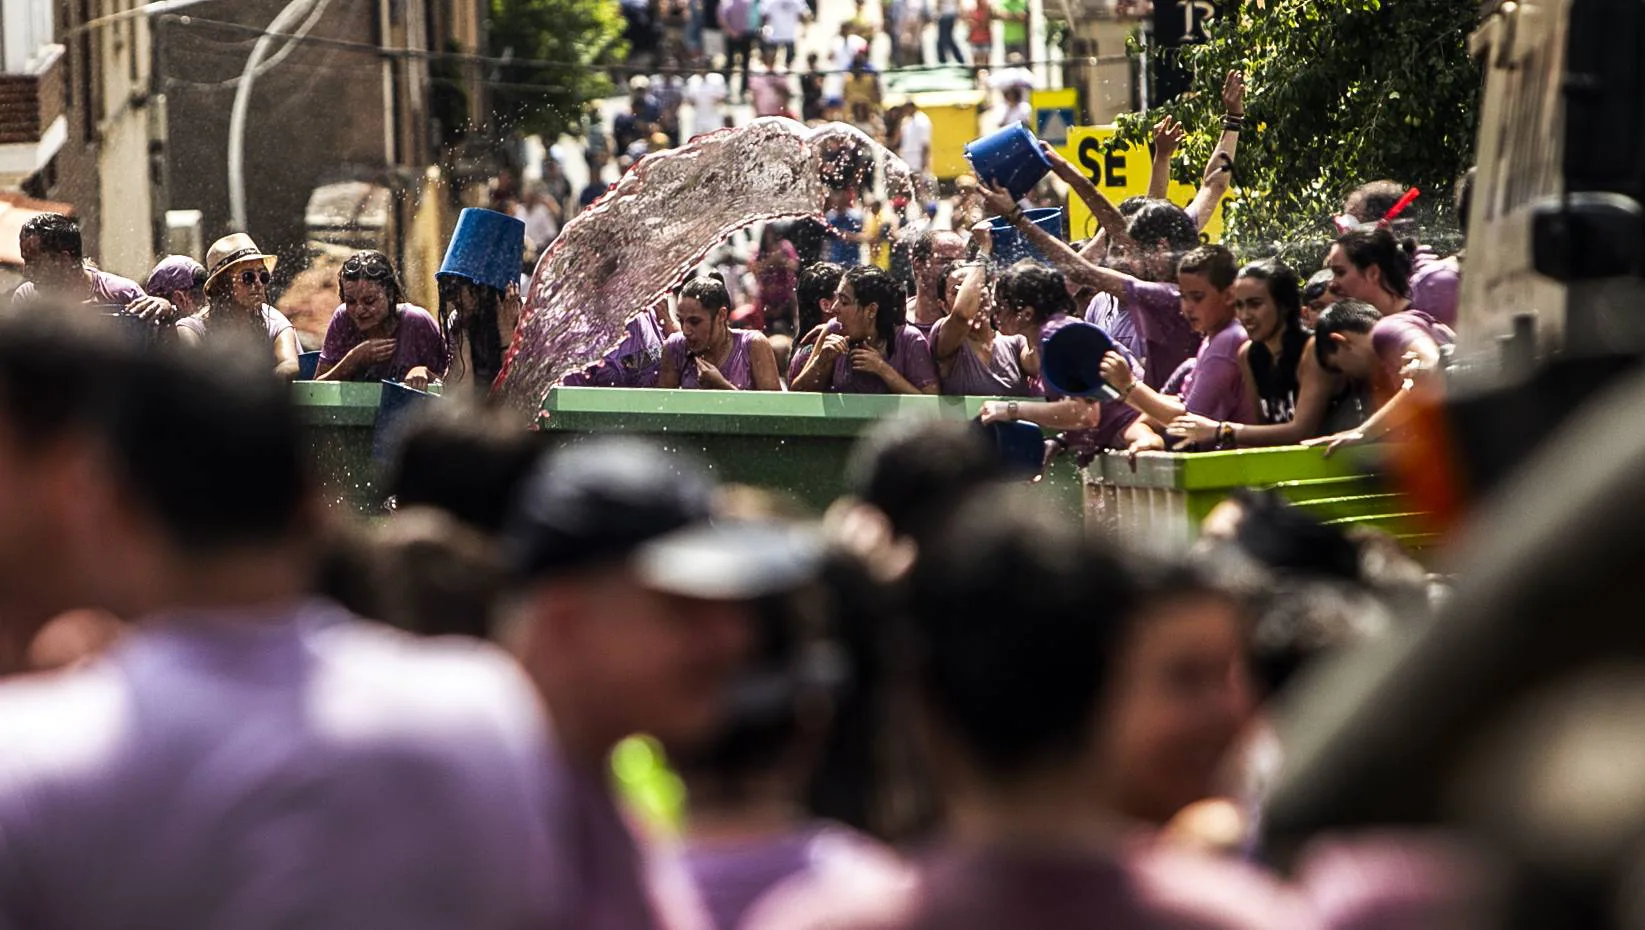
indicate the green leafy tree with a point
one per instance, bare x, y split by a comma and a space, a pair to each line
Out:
556, 52
1339, 92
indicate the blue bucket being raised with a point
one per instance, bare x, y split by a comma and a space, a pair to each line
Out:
486, 248
1020, 446
1011, 246
1010, 158
1071, 361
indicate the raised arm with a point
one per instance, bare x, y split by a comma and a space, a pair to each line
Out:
1168, 134
950, 336
1109, 219
1062, 255
1219, 171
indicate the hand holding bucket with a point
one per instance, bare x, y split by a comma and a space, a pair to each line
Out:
1071, 361
1010, 158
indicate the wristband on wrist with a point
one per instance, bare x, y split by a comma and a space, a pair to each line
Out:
1012, 409
1125, 393
1225, 434
1233, 124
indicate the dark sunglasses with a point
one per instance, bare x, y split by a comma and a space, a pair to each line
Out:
367, 268
248, 278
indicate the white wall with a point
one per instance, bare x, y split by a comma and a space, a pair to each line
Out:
27, 29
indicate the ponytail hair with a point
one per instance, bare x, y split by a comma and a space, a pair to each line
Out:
1369, 247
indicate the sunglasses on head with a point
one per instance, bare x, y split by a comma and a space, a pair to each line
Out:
366, 267
249, 277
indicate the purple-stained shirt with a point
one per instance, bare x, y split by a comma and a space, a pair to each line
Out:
287, 766
417, 343
634, 363
1117, 416
1168, 340
1107, 312
105, 288
1434, 285
1216, 386
910, 356
732, 878
1000, 376
738, 369
1395, 334
274, 323
1155, 888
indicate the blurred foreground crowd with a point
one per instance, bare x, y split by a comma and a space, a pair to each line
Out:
941, 704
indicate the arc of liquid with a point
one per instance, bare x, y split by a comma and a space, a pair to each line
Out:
624, 253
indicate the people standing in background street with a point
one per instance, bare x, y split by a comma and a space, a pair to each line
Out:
1015, 108
845, 223
768, 89
706, 93
980, 28
1014, 35
741, 21
237, 279
713, 34
914, 137
776, 268
948, 16
782, 26
911, 17
541, 215
642, 116
811, 90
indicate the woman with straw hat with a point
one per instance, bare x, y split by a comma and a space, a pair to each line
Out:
237, 278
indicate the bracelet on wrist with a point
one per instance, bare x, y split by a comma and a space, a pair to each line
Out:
1012, 409
1125, 392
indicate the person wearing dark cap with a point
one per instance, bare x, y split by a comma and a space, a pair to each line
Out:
180, 280
632, 612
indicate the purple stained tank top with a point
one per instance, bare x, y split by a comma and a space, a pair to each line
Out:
1000, 376
737, 368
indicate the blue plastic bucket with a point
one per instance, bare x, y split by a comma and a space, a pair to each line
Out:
1071, 361
1011, 246
1010, 158
486, 248
1019, 446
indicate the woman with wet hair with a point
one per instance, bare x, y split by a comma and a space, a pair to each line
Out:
375, 335
973, 357
870, 348
478, 323
1370, 265
819, 282
707, 354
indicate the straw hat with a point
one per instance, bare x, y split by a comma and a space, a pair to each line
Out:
233, 249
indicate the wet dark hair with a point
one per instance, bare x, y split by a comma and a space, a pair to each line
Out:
1282, 285
372, 265
479, 329
1344, 316
1377, 247
709, 291
57, 233
422, 571
1162, 219
1018, 617
870, 285
1369, 203
1317, 285
1028, 284
1130, 205
818, 282
467, 462
1214, 262
925, 244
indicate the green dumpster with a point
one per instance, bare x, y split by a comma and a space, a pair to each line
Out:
794, 442
339, 420
1166, 495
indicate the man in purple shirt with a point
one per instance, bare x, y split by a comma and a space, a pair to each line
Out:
631, 613
1393, 355
54, 268
246, 757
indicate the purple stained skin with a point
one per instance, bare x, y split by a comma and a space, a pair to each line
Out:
642, 237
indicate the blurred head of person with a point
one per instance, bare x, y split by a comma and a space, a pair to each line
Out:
140, 481
1179, 693
54, 257
914, 471
466, 460
630, 611
180, 280
1018, 618
1342, 339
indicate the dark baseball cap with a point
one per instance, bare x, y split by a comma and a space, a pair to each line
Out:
175, 273
626, 500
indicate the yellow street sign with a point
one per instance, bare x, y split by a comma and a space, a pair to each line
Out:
1119, 174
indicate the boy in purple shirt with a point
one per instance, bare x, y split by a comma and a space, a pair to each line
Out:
1215, 387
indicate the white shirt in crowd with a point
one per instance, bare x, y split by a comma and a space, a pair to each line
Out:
540, 225
707, 98
1019, 112
782, 20
916, 141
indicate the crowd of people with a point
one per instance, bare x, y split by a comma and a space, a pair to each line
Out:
940, 705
